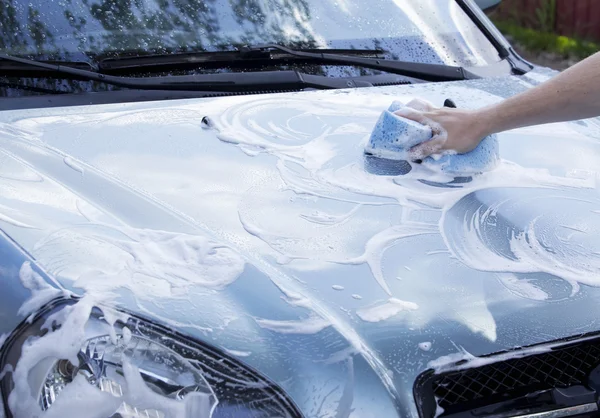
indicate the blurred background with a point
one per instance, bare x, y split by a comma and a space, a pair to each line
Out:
551, 33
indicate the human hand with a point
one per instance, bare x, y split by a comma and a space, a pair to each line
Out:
453, 129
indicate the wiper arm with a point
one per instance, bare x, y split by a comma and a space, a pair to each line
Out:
14, 67
423, 71
252, 81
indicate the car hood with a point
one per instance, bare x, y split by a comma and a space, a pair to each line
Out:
253, 223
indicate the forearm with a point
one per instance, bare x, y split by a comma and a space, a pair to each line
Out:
573, 94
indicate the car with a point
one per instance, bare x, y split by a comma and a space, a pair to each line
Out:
190, 226
488, 5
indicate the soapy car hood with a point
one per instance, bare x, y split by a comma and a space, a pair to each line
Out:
254, 223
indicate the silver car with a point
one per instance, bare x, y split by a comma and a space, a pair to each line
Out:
190, 227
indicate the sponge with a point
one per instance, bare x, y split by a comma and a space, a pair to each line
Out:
393, 136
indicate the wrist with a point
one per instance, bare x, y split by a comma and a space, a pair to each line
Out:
485, 121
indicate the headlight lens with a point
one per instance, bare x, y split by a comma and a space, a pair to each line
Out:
148, 370
102, 364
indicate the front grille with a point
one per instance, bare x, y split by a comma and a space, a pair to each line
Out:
464, 390
390, 83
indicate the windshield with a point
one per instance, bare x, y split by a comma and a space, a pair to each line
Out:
430, 31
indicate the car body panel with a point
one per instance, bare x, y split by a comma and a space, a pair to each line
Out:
251, 223
487, 4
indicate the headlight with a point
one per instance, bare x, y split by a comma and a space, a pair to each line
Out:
131, 369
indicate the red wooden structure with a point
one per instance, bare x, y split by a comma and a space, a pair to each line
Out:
579, 18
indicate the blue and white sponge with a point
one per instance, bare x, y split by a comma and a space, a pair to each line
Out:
393, 136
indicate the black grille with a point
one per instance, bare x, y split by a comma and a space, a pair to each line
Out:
458, 391
390, 83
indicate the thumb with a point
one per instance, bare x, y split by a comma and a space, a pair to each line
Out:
425, 149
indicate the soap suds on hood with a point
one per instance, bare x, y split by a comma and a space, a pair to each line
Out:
425, 346
310, 325
313, 164
311, 147
522, 287
71, 163
81, 398
467, 360
8, 215
387, 310
150, 263
41, 292
534, 243
13, 222
63, 343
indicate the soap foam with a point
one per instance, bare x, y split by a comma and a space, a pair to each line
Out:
63, 343
522, 288
381, 312
309, 166
41, 291
311, 325
425, 346
150, 263
71, 163
167, 264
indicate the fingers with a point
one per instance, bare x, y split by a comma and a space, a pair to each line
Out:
412, 114
425, 149
420, 105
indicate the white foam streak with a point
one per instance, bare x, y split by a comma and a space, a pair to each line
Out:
377, 245
529, 250
138, 394
71, 163
522, 287
311, 325
80, 399
150, 263
468, 360
238, 353
387, 310
329, 219
8, 215
63, 343
41, 292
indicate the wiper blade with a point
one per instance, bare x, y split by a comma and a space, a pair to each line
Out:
268, 54
223, 82
244, 56
423, 71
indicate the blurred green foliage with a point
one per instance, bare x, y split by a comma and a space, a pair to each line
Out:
543, 41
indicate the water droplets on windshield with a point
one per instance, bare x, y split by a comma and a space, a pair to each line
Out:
77, 28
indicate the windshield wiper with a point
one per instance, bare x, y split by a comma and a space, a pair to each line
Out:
270, 53
245, 57
423, 71
222, 82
